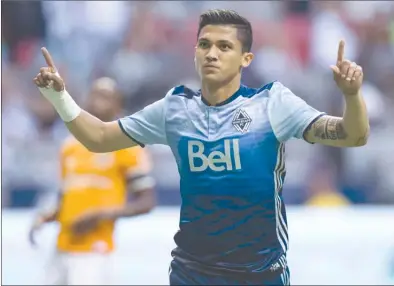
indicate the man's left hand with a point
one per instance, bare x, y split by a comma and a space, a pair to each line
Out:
347, 75
88, 222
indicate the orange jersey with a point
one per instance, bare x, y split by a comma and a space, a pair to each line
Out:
92, 182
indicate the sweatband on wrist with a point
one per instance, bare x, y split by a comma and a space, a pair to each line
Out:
62, 101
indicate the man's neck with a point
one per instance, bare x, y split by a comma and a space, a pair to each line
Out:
215, 94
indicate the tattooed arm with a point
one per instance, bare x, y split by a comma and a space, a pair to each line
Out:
351, 130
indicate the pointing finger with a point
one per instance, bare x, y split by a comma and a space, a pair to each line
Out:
341, 51
48, 59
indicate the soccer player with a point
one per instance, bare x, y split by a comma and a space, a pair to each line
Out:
229, 141
95, 192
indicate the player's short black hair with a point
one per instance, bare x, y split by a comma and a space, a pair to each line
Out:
229, 17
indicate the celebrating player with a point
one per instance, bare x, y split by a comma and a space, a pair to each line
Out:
95, 193
228, 141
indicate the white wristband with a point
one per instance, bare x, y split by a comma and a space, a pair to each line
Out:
64, 104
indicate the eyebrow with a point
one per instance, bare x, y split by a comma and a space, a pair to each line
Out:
203, 39
220, 41
226, 42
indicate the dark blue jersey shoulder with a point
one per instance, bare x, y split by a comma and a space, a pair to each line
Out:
184, 91
268, 86
250, 92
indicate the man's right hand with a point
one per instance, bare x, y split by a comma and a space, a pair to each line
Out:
38, 223
51, 86
97, 136
48, 77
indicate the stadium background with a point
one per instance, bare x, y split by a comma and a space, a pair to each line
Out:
148, 48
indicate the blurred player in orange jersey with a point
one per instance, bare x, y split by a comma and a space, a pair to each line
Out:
95, 193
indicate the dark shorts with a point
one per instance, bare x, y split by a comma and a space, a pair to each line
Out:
179, 274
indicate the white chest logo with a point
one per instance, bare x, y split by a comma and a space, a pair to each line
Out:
241, 121
216, 161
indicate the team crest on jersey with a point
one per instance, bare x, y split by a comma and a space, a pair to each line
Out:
241, 121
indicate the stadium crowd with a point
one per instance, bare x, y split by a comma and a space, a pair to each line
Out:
148, 48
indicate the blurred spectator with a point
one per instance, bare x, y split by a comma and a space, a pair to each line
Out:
32, 151
23, 25
328, 28
322, 189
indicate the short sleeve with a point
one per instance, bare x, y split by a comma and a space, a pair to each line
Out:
289, 115
147, 126
135, 164
134, 160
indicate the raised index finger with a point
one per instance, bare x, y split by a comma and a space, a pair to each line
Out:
48, 59
341, 51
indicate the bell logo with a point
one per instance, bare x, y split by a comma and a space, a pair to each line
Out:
216, 160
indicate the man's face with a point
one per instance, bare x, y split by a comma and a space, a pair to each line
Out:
218, 56
103, 104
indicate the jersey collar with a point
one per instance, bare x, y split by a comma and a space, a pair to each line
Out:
228, 100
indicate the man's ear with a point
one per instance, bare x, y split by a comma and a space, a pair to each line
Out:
247, 59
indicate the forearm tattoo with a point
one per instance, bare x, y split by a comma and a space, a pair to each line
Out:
329, 128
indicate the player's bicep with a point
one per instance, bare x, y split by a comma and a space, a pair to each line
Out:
115, 138
327, 130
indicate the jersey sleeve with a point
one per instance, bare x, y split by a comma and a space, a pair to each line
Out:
147, 126
136, 165
289, 115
